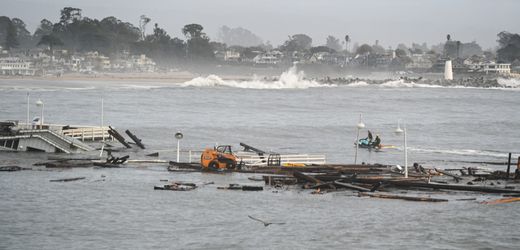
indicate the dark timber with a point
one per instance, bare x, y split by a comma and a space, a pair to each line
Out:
118, 137
135, 139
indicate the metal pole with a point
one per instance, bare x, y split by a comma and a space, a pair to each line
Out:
357, 146
178, 150
27, 122
405, 155
41, 118
102, 117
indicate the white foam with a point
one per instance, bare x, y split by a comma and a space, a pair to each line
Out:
290, 79
509, 83
402, 84
467, 152
358, 84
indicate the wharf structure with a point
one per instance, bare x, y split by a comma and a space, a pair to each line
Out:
48, 138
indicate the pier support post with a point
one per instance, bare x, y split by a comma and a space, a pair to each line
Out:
508, 166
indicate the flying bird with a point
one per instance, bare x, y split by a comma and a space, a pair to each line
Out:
265, 223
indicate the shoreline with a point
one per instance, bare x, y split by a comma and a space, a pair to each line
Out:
179, 77
175, 78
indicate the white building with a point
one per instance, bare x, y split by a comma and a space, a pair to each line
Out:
15, 66
497, 68
143, 63
420, 61
271, 57
490, 67
231, 56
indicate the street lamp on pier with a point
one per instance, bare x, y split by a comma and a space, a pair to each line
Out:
178, 136
400, 131
40, 103
359, 126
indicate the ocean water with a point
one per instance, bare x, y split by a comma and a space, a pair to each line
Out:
118, 208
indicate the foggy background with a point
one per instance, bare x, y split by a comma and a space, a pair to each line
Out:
390, 22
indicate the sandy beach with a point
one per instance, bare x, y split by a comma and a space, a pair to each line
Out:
143, 78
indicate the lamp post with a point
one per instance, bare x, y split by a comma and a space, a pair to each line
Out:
27, 126
102, 121
178, 136
400, 131
359, 126
40, 103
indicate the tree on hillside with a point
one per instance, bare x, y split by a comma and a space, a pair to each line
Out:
364, 49
333, 43
400, 53
401, 59
50, 41
22, 34
193, 31
69, 14
8, 38
378, 49
45, 28
198, 47
509, 44
238, 36
298, 42
319, 49
143, 21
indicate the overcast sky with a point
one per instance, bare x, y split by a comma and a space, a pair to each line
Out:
389, 21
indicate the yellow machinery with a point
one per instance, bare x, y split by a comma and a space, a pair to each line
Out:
217, 158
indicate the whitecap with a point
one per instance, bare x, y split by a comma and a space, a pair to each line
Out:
290, 79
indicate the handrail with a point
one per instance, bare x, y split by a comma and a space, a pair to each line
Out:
65, 140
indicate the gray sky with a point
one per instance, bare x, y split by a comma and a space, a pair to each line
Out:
389, 21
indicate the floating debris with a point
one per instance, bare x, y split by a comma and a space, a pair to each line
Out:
241, 187
68, 179
177, 186
400, 197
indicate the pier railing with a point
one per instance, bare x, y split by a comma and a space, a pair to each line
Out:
88, 133
284, 159
253, 159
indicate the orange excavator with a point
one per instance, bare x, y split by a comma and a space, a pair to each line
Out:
218, 158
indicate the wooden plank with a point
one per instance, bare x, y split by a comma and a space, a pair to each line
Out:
135, 139
401, 197
68, 179
351, 186
118, 137
453, 187
300, 176
501, 201
457, 178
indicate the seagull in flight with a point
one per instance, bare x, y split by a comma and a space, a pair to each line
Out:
265, 223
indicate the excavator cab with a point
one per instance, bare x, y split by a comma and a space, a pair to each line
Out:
220, 157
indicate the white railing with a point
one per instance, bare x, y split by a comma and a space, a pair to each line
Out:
57, 140
88, 133
257, 160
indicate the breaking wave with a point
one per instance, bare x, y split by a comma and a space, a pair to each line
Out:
509, 83
358, 84
465, 152
290, 79
404, 84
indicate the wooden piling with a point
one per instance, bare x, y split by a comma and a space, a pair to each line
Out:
508, 166
118, 137
135, 139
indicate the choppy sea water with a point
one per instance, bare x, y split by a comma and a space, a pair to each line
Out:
447, 127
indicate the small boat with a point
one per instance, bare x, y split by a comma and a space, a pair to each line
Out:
365, 143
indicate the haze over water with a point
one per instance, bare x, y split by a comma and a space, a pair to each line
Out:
446, 127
